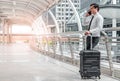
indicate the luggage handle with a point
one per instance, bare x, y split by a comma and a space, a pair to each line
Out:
84, 42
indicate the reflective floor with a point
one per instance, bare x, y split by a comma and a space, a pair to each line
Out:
19, 63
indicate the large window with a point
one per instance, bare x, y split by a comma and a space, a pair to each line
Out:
21, 29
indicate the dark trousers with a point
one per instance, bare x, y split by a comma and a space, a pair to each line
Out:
95, 41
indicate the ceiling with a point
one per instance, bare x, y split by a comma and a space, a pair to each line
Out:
24, 11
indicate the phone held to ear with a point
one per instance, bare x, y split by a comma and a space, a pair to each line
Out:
89, 12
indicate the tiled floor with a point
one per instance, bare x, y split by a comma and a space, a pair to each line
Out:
19, 63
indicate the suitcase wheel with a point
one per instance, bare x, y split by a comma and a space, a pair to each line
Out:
99, 77
82, 77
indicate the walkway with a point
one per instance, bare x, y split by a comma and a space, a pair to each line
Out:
19, 63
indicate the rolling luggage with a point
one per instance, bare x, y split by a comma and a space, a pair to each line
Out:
89, 63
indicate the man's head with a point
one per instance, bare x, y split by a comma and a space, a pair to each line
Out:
94, 8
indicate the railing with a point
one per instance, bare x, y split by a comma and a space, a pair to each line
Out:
66, 47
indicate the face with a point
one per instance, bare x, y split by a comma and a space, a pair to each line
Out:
93, 10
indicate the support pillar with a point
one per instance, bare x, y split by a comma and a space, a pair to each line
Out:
6, 27
77, 15
3, 31
55, 21
114, 33
10, 34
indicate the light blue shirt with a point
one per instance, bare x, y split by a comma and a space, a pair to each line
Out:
96, 24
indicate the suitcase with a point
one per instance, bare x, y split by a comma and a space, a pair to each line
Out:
89, 64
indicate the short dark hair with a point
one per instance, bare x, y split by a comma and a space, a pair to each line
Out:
95, 5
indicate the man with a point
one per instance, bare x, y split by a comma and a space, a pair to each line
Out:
95, 22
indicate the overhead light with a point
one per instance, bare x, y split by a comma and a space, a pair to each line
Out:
3, 16
14, 2
13, 10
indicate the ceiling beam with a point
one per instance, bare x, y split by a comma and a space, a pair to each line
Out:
7, 9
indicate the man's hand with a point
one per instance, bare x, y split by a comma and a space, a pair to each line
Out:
87, 14
87, 32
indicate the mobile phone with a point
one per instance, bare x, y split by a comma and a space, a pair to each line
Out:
89, 12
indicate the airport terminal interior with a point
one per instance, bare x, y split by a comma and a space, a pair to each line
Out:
41, 40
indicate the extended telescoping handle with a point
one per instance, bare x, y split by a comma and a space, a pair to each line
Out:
85, 42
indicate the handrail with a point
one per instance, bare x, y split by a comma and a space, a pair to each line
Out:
68, 36
80, 32
108, 48
112, 29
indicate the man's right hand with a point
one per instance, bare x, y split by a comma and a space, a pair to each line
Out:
87, 14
